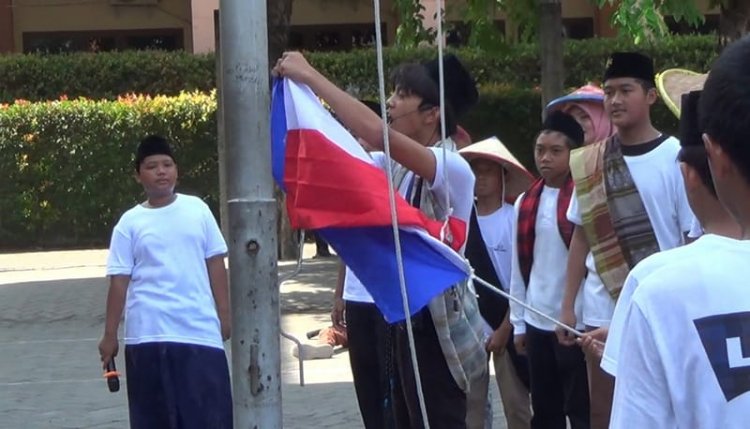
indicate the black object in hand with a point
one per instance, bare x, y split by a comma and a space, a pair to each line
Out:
112, 376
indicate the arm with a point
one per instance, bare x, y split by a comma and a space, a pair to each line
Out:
362, 121
108, 346
217, 276
517, 286
337, 313
576, 271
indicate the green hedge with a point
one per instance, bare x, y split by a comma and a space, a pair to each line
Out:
106, 75
67, 165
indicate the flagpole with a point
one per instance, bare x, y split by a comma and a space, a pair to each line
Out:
252, 215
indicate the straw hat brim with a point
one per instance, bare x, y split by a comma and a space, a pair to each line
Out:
518, 179
673, 83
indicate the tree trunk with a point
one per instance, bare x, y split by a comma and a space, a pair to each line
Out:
279, 16
551, 49
734, 21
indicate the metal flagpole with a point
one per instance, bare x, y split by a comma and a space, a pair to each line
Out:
252, 215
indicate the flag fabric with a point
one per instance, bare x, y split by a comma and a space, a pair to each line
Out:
334, 187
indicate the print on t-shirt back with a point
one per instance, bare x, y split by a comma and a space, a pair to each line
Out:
726, 340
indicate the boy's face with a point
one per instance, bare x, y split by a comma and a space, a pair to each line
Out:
405, 115
552, 155
158, 175
626, 101
489, 178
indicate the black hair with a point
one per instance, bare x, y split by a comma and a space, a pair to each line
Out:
695, 157
151, 145
568, 141
413, 79
725, 104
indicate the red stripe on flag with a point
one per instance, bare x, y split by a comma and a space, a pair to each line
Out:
328, 187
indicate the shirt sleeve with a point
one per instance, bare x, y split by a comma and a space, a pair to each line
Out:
641, 397
215, 244
121, 260
617, 326
574, 212
453, 177
696, 230
517, 286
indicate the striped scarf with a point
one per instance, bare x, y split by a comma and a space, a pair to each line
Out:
615, 220
527, 223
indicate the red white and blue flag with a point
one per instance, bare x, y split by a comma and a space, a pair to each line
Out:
334, 187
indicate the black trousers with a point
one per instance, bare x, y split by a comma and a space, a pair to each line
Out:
367, 335
445, 401
559, 385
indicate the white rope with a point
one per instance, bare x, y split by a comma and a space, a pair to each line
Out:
394, 216
441, 88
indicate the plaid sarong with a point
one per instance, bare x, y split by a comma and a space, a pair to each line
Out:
527, 223
615, 220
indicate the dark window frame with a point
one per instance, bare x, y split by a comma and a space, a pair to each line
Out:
99, 40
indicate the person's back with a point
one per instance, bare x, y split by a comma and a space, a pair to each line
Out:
686, 340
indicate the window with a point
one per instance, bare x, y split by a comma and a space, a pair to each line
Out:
102, 41
578, 28
341, 37
711, 25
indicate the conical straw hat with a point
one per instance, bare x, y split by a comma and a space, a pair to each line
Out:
517, 180
673, 83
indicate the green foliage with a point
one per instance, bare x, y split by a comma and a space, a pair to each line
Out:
643, 20
106, 75
103, 75
410, 32
68, 164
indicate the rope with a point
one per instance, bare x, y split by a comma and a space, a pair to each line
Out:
441, 88
394, 215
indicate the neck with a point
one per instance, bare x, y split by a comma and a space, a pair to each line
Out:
638, 134
156, 201
556, 182
719, 222
489, 205
426, 137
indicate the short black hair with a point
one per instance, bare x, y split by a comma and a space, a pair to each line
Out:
725, 104
696, 158
568, 141
414, 79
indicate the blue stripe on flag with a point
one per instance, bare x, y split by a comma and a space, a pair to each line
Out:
278, 132
370, 253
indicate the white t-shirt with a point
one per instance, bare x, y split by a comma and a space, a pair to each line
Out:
455, 178
696, 230
164, 251
497, 230
547, 278
659, 181
640, 272
684, 355
354, 290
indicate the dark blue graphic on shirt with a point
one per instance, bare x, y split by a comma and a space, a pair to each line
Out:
726, 339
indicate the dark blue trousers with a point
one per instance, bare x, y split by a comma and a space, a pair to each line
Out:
178, 386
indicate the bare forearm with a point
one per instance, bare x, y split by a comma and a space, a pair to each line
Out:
118, 288
339, 292
576, 267
217, 275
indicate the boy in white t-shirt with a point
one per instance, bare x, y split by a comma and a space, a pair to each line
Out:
684, 355
429, 174
629, 203
500, 178
166, 267
541, 236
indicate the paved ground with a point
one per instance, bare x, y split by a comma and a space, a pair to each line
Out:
51, 315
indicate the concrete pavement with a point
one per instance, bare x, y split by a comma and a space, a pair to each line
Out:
52, 313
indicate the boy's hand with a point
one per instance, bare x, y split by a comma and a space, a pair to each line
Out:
337, 313
520, 342
593, 342
108, 347
294, 66
568, 317
499, 338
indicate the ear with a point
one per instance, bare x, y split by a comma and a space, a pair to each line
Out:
651, 96
690, 177
718, 159
432, 116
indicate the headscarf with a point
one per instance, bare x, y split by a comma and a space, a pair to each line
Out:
590, 99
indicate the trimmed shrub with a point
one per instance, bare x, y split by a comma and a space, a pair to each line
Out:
68, 165
106, 75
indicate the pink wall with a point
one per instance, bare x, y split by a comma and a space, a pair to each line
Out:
203, 25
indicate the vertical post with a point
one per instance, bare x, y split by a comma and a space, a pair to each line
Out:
551, 49
252, 215
223, 210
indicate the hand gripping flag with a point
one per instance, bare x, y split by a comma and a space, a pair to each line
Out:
334, 187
